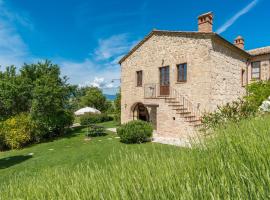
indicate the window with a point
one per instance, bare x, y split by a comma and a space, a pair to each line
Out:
255, 70
182, 72
139, 78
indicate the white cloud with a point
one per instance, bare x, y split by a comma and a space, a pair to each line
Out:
98, 69
89, 73
102, 66
232, 20
13, 50
112, 47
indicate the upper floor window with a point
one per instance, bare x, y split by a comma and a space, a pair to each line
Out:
256, 70
182, 72
139, 78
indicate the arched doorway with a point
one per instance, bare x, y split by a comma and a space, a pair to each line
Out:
140, 112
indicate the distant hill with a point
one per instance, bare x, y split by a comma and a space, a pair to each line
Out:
110, 97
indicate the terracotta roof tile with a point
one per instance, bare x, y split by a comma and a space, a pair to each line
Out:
259, 51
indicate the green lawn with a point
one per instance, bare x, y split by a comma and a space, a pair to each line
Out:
68, 151
232, 165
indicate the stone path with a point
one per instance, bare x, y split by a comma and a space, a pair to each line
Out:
162, 140
172, 141
111, 129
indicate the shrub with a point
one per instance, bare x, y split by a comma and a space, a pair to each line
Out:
235, 111
94, 118
17, 131
95, 131
257, 93
2, 138
135, 132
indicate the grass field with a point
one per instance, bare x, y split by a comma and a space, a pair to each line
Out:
233, 165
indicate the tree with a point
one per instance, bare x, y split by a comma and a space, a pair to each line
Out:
39, 90
117, 104
50, 103
94, 98
15, 93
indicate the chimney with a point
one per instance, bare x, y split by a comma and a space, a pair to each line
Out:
239, 42
205, 22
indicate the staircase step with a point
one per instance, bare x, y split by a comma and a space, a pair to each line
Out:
172, 102
175, 105
180, 108
183, 113
196, 125
195, 120
191, 116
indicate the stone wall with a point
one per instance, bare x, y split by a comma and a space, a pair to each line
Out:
226, 75
213, 77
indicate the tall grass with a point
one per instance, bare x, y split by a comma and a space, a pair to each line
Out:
232, 165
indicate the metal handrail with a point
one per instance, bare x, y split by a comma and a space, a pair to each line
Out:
152, 91
195, 111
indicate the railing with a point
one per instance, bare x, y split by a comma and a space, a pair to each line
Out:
152, 91
186, 103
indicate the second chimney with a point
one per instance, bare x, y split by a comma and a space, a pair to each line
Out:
205, 22
239, 42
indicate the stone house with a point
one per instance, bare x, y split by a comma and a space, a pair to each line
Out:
171, 77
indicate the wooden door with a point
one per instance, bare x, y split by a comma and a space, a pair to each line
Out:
164, 81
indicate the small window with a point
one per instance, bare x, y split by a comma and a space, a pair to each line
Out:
182, 72
256, 70
139, 78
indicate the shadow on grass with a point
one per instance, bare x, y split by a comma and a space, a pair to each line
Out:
13, 160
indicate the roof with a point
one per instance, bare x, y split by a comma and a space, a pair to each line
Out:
182, 33
259, 51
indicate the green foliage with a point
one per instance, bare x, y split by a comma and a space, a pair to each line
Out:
135, 132
95, 131
16, 132
117, 104
240, 109
257, 93
50, 98
2, 137
235, 111
87, 119
15, 93
94, 98
232, 165
37, 89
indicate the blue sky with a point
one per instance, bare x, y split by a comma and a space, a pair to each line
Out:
87, 37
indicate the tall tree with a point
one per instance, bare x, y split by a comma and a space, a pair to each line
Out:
95, 98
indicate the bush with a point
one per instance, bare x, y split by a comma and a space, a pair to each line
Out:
257, 93
135, 132
94, 118
16, 132
95, 131
2, 138
235, 111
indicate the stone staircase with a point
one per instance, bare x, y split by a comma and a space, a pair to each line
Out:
178, 103
184, 109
